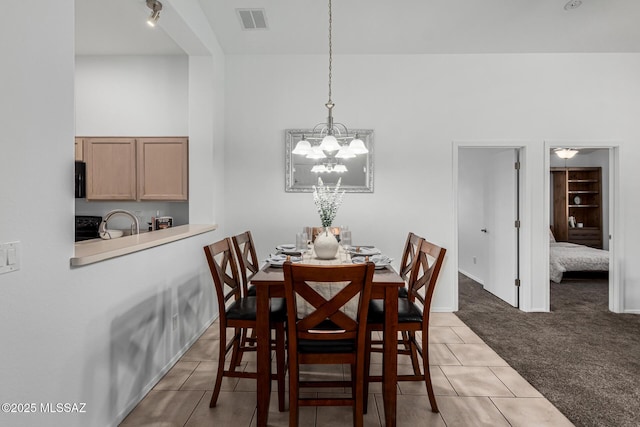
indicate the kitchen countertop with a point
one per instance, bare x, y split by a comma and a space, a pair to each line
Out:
96, 250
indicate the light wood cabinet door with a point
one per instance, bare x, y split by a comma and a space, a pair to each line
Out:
78, 149
111, 168
163, 168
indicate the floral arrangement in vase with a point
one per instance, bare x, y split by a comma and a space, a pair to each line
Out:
327, 201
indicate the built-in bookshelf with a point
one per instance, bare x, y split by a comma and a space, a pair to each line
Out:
577, 205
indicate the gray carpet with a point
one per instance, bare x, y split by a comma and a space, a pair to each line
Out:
580, 356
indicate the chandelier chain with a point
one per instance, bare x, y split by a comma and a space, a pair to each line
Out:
330, 50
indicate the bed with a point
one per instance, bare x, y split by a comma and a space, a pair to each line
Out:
565, 256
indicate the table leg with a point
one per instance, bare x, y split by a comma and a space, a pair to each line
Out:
263, 354
390, 355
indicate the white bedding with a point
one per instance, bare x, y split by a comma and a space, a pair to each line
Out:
564, 256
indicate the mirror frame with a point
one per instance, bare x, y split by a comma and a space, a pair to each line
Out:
292, 136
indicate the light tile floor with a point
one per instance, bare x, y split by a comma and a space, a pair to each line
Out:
473, 387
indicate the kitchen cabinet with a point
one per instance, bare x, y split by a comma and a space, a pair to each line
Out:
136, 168
163, 169
78, 149
577, 193
111, 168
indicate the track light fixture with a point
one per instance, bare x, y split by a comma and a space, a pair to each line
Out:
155, 7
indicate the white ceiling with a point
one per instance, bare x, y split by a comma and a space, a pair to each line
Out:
375, 27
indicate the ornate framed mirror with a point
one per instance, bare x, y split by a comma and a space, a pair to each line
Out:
302, 172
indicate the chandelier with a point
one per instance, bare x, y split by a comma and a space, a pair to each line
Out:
330, 140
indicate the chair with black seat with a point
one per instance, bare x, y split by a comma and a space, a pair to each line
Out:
413, 316
238, 312
249, 265
409, 256
325, 329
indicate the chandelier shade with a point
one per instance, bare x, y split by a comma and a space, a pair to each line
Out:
303, 147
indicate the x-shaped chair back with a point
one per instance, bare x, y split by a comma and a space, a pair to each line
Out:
224, 271
326, 320
424, 275
411, 248
248, 262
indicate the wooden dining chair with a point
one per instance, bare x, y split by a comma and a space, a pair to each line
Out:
239, 313
249, 265
248, 262
409, 255
413, 316
327, 332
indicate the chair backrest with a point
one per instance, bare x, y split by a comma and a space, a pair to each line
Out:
426, 269
326, 319
224, 271
248, 262
409, 255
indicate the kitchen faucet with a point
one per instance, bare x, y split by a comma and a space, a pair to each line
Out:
135, 226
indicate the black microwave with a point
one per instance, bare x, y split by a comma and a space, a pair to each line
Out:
81, 186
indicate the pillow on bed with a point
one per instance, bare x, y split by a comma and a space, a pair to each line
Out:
551, 238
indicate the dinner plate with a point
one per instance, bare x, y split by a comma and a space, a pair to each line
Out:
380, 261
362, 251
279, 260
286, 247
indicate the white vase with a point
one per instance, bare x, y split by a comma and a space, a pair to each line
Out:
326, 245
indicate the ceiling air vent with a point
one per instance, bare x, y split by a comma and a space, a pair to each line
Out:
252, 19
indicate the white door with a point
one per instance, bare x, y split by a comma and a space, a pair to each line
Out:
500, 217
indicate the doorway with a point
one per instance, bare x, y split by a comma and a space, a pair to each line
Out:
488, 219
581, 198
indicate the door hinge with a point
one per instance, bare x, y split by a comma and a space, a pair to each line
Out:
517, 282
517, 223
517, 166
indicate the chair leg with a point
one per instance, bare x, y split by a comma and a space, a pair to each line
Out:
293, 393
280, 364
367, 367
236, 353
359, 397
221, 355
411, 344
427, 371
248, 338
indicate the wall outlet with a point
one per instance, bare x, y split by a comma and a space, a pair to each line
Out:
475, 260
174, 322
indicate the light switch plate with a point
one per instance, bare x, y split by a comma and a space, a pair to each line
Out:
9, 257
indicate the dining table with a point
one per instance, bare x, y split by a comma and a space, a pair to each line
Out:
269, 283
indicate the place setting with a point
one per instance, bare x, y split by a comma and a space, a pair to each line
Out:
380, 261
278, 260
363, 251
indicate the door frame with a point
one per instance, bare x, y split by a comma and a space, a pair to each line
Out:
616, 234
525, 203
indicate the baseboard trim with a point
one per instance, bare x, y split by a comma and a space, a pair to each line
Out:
471, 276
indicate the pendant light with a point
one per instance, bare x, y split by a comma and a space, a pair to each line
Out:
334, 137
